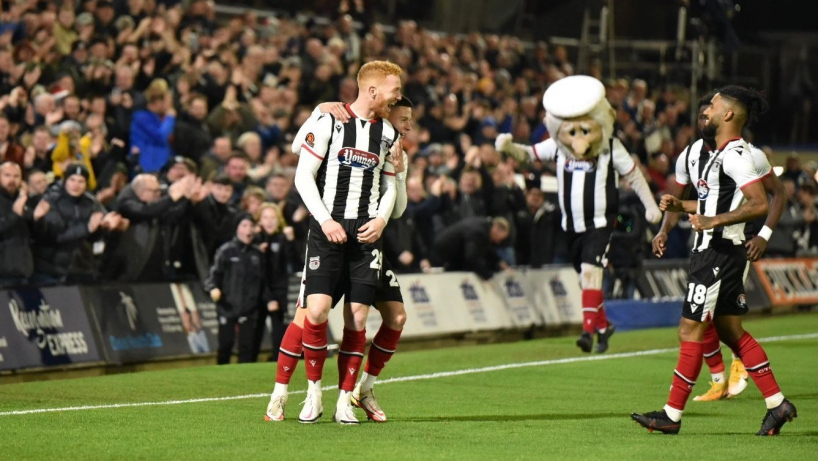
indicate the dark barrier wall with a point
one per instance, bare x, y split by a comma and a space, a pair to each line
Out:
143, 322
44, 327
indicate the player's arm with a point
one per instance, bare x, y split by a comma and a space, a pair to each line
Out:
773, 186
310, 160
372, 230
624, 164
741, 169
543, 151
671, 219
401, 199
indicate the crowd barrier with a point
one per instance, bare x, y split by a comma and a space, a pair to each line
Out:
130, 323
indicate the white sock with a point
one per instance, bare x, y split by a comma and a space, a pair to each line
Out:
367, 381
672, 413
313, 386
774, 400
343, 398
717, 377
602, 331
280, 389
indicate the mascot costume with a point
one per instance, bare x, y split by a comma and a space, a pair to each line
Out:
590, 161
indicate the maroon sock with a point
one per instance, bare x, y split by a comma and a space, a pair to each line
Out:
685, 374
315, 349
381, 350
289, 353
712, 350
591, 300
350, 358
757, 365
601, 318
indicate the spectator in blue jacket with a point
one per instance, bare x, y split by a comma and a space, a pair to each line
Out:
152, 128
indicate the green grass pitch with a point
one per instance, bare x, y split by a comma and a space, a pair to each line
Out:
566, 410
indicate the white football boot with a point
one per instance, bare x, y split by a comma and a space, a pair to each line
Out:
345, 413
275, 409
313, 408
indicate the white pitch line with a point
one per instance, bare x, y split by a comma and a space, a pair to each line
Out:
442, 374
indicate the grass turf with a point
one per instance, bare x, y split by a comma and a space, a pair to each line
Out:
559, 411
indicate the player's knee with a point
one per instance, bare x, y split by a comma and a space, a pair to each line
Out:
691, 330
359, 314
394, 315
590, 277
729, 334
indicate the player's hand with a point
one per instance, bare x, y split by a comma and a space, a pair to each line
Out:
273, 306
671, 203
396, 159
371, 231
653, 215
701, 223
215, 295
337, 110
659, 244
334, 231
755, 248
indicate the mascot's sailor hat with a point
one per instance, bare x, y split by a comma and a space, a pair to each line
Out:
576, 96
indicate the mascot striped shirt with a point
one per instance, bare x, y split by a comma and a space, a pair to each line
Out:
588, 188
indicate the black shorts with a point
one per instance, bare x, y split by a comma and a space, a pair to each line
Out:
327, 262
716, 283
388, 289
589, 247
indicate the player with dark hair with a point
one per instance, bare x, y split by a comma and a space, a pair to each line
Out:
729, 195
388, 301
756, 244
339, 179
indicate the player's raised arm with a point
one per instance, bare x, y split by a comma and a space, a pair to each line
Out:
624, 164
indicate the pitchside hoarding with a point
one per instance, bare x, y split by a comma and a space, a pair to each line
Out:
44, 327
143, 322
789, 281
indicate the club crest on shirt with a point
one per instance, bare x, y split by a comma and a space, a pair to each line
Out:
703, 189
742, 301
310, 139
315, 262
358, 158
574, 165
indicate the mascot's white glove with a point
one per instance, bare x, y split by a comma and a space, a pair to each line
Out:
653, 215
639, 185
505, 143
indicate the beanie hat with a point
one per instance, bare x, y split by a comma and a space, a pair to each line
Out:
76, 168
244, 216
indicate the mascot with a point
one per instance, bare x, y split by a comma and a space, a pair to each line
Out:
590, 161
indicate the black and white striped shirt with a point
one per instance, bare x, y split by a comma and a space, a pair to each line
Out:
588, 193
718, 177
346, 160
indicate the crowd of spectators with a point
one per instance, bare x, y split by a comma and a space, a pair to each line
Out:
134, 132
